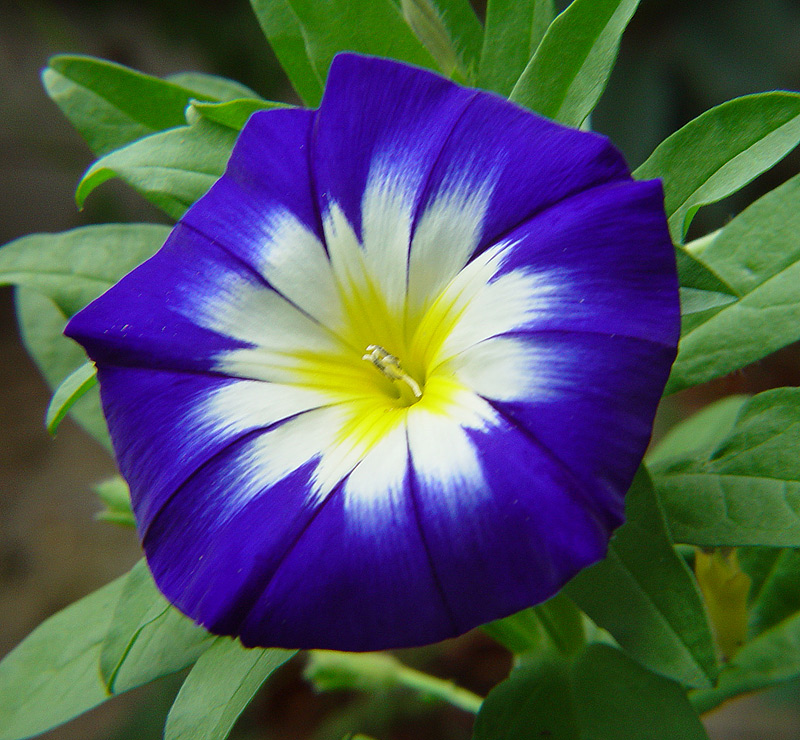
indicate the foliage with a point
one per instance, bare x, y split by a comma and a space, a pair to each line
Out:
631, 647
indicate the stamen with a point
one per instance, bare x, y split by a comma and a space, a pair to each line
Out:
389, 365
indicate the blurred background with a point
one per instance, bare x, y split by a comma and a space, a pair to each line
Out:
678, 58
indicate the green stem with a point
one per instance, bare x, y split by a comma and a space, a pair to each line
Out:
374, 671
447, 691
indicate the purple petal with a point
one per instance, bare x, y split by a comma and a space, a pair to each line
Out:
380, 118
193, 417
527, 162
546, 524
268, 174
359, 576
611, 255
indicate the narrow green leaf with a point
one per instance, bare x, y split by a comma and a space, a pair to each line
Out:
67, 394
571, 66
534, 702
41, 325
116, 496
758, 256
147, 638
426, 22
514, 29
218, 688
285, 34
746, 490
770, 659
646, 597
365, 26
233, 114
74, 267
52, 675
616, 699
465, 30
212, 87
722, 150
701, 432
112, 105
171, 169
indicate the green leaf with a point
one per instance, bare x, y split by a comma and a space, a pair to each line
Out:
147, 638
758, 256
218, 688
616, 699
757, 563
770, 659
746, 490
464, 29
571, 66
74, 267
692, 273
520, 633
373, 27
172, 169
701, 432
112, 105
645, 596
41, 324
52, 675
114, 493
778, 596
212, 87
514, 29
285, 34
722, 150
702, 292
75, 385
534, 702
696, 301
604, 695
58, 274
426, 21
233, 114
555, 625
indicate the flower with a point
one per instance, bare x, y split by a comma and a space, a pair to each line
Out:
391, 377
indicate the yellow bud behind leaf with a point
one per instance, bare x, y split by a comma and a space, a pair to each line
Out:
725, 587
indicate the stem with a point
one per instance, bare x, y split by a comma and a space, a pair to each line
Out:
328, 670
447, 691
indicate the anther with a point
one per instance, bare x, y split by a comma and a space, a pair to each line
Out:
390, 366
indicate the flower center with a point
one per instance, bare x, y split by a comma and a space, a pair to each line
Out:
390, 366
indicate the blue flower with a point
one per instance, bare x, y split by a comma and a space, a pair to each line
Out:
391, 377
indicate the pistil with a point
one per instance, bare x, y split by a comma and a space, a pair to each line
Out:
390, 366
